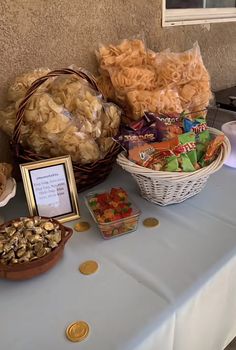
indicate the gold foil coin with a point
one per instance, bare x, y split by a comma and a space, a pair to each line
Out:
151, 222
77, 331
48, 226
82, 226
88, 267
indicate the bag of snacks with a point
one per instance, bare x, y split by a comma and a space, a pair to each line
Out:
66, 115
199, 127
187, 73
143, 130
177, 154
169, 142
141, 80
212, 150
150, 128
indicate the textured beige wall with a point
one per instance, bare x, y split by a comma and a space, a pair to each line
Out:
56, 33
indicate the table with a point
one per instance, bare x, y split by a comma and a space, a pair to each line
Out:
169, 288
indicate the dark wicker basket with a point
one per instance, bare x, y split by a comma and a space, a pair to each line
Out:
86, 176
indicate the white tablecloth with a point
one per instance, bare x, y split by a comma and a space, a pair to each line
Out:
169, 288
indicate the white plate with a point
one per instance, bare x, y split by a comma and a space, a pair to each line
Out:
9, 192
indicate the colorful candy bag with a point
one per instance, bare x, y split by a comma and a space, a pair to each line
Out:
170, 125
212, 150
199, 127
186, 152
143, 130
150, 128
177, 154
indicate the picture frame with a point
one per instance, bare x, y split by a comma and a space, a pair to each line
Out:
50, 188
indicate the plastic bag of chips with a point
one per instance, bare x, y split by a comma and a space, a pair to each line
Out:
177, 154
141, 80
212, 150
150, 128
64, 116
199, 127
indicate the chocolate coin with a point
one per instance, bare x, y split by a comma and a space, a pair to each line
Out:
151, 222
77, 331
88, 267
82, 226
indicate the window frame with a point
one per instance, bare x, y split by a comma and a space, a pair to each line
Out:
179, 17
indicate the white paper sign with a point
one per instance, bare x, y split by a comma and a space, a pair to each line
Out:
51, 191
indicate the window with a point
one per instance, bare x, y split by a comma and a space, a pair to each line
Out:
182, 12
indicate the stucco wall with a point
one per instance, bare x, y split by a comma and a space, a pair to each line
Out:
56, 33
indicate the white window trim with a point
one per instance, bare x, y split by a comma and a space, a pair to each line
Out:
178, 17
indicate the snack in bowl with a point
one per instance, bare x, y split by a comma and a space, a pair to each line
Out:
30, 246
114, 213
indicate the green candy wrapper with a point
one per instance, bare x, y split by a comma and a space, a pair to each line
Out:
184, 156
202, 141
172, 164
186, 151
199, 127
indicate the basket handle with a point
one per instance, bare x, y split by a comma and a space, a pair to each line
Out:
80, 72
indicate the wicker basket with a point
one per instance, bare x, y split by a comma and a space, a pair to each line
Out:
86, 176
163, 188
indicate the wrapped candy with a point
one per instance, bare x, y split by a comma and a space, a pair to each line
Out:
199, 127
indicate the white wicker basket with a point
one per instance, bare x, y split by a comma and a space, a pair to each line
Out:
164, 187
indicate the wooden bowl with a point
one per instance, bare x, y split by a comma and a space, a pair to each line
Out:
34, 268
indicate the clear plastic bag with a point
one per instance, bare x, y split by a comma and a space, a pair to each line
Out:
21, 84
164, 82
66, 117
186, 72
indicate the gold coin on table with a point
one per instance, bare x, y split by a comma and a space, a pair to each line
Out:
88, 267
151, 222
82, 226
77, 331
